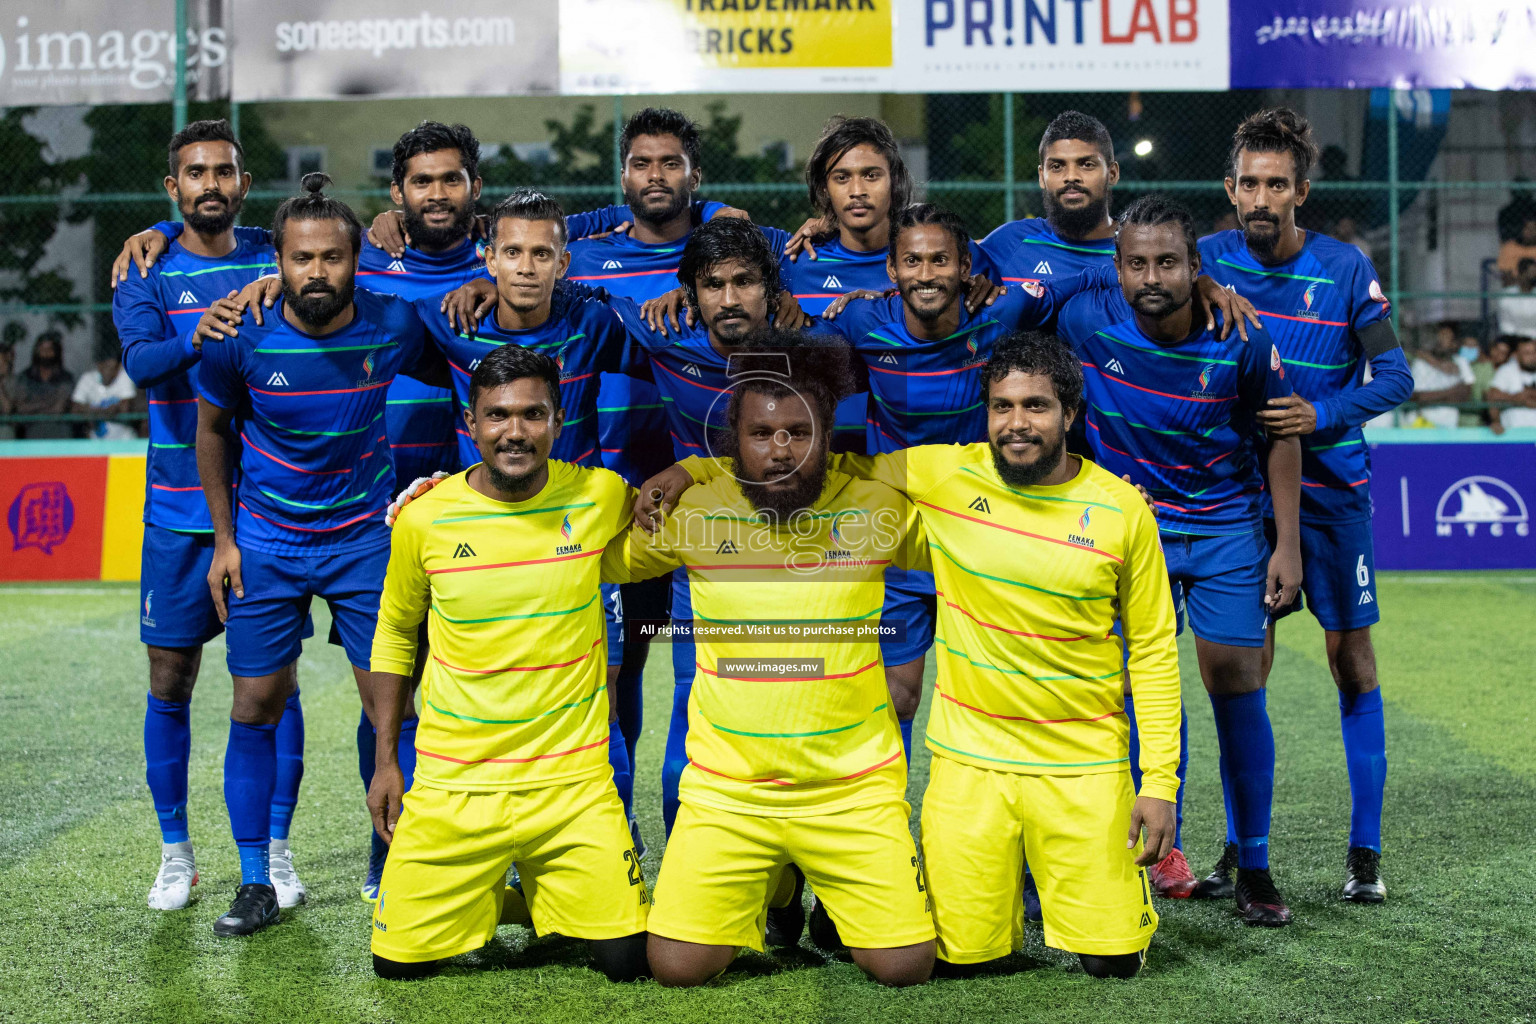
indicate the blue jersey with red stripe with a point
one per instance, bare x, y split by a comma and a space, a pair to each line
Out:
1030, 249
635, 415
687, 371
154, 317
929, 392
420, 419
1314, 306
1177, 418
315, 473
582, 334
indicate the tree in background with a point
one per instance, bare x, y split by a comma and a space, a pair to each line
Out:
26, 228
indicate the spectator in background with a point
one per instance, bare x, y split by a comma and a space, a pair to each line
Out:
1512, 251
1440, 375
1514, 387
1346, 230
1513, 214
1517, 303
7, 400
1494, 355
108, 391
43, 389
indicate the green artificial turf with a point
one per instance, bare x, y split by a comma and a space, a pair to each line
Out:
1454, 942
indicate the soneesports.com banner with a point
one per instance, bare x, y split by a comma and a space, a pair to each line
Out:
90, 51
331, 49
1402, 44
660, 46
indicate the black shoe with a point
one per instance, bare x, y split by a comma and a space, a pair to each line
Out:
1362, 876
787, 922
1218, 884
1258, 900
254, 908
824, 929
1032, 912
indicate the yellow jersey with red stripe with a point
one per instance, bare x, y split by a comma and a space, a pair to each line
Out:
514, 695
1030, 582
789, 713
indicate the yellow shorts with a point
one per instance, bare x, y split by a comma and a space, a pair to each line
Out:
442, 890
720, 867
976, 827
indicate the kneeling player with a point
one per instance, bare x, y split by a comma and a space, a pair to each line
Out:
794, 755
513, 761
1036, 553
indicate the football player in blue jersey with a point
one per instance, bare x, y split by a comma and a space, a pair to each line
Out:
301, 398
1324, 308
154, 314
1175, 409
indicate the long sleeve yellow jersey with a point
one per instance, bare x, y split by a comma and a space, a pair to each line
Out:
514, 694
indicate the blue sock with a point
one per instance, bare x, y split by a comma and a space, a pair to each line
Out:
290, 766
367, 744
1183, 769
1248, 747
628, 696
906, 739
167, 749
676, 758
618, 758
1226, 797
250, 767
1365, 754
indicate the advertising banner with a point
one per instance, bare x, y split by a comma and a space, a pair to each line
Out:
71, 516
336, 49
661, 46
1454, 506
122, 52
1062, 45
1401, 44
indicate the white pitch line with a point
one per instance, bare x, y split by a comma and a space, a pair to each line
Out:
9, 589
1461, 578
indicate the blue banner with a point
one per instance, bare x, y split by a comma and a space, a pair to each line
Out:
1454, 506
1399, 44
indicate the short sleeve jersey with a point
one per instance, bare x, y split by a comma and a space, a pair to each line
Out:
1178, 418
1314, 306
154, 316
315, 474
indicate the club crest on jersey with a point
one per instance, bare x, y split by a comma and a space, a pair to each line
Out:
1203, 382
1033, 287
1275, 362
1082, 524
565, 532
1377, 296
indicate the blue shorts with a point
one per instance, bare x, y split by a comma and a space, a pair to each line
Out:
1219, 582
265, 626
1338, 567
613, 618
910, 605
175, 605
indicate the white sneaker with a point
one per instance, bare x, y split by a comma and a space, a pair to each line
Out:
178, 874
290, 891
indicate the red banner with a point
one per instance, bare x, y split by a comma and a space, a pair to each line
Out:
53, 512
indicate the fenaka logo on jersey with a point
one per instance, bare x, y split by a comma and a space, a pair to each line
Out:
148, 618
1306, 312
370, 364
565, 532
1082, 524
832, 282
835, 538
1485, 501
1203, 380
612, 265
187, 299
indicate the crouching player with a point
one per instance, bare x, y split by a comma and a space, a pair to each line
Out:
1036, 553
502, 562
794, 755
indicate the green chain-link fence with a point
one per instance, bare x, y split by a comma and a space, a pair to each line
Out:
1430, 195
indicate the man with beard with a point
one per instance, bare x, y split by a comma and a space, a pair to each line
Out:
153, 314
1037, 554
793, 755
1077, 170
307, 389
513, 768
1175, 409
1323, 306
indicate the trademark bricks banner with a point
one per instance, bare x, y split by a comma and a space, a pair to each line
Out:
1061, 45
660, 46
331, 49
1403, 44
88, 51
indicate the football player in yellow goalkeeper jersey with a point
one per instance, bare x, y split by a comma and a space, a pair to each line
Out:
1036, 555
794, 754
502, 561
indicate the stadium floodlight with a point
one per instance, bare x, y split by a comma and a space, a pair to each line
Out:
1143, 147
